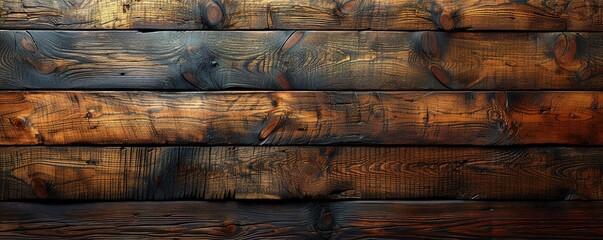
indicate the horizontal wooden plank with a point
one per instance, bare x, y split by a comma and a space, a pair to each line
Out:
538, 15
309, 60
300, 118
303, 220
194, 173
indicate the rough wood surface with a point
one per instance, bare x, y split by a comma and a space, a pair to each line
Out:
331, 220
537, 15
277, 60
168, 173
300, 118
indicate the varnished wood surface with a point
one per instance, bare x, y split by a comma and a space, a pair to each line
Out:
330, 220
217, 173
302, 60
301, 118
534, 15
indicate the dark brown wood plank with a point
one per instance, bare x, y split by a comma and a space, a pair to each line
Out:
332, 220
310, 60
300, 118
169, 173
538, 15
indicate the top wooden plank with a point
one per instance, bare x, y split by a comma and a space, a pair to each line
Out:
534, 15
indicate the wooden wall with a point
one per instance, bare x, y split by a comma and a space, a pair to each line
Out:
301, 119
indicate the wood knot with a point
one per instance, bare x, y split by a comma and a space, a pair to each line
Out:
214, 13
28, 45
440, 74
325, 221
125, 8
20, 123
231, 228
270, 126
327, 218
193, 49
192, 80
446, 20
430, 45
311, 171
494, 115
349, 6
292, 40
584, 73
565, 49
43, 67
282, 81
40, 188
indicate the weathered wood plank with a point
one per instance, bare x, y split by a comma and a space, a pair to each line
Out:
539, 15
336, 220
300, 118
168, 173
300, 60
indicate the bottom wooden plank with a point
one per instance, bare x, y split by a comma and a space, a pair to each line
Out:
303, 220
196, 173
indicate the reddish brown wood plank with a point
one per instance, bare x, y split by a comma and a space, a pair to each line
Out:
538, 15
300, 118
243, 220
286, 60
169, 173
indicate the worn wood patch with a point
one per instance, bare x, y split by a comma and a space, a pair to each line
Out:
195, 173
356, 219
300, 118
536, 15
305, 60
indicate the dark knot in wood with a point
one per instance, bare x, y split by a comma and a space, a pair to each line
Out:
214, 13
20, 123
231, 228
192, 80
42, 67
270, 126
282, 81
584, 73
349, 6
446, 20
565, 49
440, 74
28, 45
40, 188
292, 40
430, 46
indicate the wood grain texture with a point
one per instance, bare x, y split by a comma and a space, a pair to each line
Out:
539, 15
286, 60
217, 173
300, 118
331, 220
